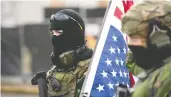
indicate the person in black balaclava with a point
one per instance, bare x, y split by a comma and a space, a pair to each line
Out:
70, 56
69, 50
67, 28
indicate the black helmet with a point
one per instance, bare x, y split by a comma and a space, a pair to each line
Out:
72, 25
59, 19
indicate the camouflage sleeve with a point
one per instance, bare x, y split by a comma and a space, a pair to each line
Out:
160, 83
165, 89
133, 68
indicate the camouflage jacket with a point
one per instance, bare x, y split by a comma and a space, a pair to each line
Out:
154, 82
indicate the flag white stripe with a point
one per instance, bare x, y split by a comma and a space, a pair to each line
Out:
135, 78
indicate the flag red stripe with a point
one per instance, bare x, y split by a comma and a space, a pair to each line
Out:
132, 82
118, 13
127, 4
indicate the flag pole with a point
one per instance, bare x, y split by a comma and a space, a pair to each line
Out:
83, 92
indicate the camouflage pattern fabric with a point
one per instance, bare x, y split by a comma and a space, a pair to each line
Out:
156, 84
135, 22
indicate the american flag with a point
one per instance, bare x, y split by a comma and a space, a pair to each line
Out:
108, 69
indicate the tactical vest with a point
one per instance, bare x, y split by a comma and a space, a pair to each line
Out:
62, 83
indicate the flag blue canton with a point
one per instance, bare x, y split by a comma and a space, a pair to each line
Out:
111, 70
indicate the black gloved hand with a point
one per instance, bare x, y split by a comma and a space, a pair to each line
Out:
122, 91
38, 75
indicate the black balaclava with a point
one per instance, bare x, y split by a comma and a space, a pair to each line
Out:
73, 32
150, 57
72, 36
153, 56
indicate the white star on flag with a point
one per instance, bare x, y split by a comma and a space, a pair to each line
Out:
108, 62
110, 85
104, 74
118, 50
125, 74
114, 38
117, 84
100, 88
112, 50
117, 61
120, 73
124, 50
114, 95
114, 73
123, 83
122, 62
